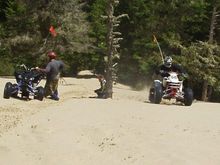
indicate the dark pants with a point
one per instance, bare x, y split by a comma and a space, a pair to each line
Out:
51, 87
100, 93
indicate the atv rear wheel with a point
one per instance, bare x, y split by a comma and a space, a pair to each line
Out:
188, 96
7, 90
14, 92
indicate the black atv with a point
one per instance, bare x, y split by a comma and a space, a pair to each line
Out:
27, 84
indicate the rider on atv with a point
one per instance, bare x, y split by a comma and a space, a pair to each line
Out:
169, 66
173, 85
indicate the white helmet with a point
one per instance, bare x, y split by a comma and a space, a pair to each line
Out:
168, 61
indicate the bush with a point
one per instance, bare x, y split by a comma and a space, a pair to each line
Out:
6, 68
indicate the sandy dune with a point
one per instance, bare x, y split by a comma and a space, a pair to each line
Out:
125, 130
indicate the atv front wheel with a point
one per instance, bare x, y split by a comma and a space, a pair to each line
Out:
7, 90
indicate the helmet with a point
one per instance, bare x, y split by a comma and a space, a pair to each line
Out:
51, 55
168, 61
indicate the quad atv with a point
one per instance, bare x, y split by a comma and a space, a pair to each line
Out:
171, 87
27, 84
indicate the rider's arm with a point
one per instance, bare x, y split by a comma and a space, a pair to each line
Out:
159, 70
45, 70
181, 70
163, 71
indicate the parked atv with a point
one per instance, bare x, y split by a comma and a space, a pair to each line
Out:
27, 84
171, 87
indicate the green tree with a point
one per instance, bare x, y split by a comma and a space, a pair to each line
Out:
26, 31
98, 32
202, 62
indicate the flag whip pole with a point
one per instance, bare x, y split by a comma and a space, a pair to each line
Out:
161, 54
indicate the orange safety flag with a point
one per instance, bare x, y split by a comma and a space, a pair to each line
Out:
52, 31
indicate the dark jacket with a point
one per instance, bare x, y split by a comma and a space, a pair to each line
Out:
163, 70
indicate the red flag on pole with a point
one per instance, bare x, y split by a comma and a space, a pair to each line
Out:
52, 31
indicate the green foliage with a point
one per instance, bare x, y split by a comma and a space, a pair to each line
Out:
202, 61
25, 34
98, 32
18, 18
196, 21
71, 25
6, 68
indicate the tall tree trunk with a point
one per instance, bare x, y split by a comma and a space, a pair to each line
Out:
109, 81
213, 25
112, 43
204, 90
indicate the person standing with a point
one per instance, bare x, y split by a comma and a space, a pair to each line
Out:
101, 92
53, 71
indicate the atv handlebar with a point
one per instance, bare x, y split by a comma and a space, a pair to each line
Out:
23, 66
166, 74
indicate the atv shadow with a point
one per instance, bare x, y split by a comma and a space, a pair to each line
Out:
24, 98
96, 97
169, 103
